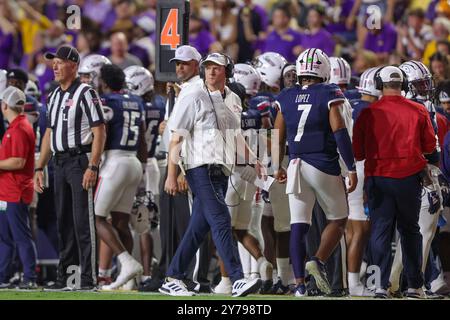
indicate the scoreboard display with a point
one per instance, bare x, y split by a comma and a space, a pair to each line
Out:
172, 31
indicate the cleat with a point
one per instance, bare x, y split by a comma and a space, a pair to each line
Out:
176, 288
316, 269
244, 287
300, 290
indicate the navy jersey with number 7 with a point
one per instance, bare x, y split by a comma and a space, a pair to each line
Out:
306, 114
125, 114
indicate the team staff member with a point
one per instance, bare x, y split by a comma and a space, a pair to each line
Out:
175, 210
392, 136
16, 181
210, 109
76, 136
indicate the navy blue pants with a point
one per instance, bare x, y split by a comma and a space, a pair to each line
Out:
15, 231
394, 201
207, 214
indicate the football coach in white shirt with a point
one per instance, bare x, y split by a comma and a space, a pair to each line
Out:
210, 112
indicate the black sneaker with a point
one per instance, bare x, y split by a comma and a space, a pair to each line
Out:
57, 286
280, 289
150, 285
266, 287
27, 285
338, 293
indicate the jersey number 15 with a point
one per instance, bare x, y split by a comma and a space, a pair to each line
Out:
130, 132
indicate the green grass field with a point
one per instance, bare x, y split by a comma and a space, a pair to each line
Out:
132, 295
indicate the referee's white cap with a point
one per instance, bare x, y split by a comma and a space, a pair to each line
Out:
13, 97
186, 53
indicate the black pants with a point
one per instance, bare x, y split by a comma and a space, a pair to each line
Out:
334, 265
75, 219
390, 201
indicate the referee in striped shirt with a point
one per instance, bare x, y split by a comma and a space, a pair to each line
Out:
75, 135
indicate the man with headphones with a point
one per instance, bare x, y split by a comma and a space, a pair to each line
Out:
392, 136
205, 131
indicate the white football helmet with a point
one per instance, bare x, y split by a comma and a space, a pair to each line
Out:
139, 80
444, 96
246, 75
367, 83
144, 214
91, 65
420, 80
341, 73
32, 89
3, 80
270, 65
313, 63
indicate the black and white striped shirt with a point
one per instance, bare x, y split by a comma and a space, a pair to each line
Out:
71, 115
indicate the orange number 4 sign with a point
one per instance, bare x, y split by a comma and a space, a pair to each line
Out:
169, 35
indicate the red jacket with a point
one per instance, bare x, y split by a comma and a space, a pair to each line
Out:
392, 135
18, 142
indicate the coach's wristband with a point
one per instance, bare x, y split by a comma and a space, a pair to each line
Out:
38, 169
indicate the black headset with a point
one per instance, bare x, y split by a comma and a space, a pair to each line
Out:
379, 81
229, 68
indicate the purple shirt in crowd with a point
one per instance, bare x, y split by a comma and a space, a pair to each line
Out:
282, 44
6, 48
337, 27
96, 11
263, 15
110, 20
202, 41
383, 42
322, 39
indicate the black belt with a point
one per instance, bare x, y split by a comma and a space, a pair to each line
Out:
74, 151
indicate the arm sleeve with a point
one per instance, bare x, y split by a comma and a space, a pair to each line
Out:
93, 108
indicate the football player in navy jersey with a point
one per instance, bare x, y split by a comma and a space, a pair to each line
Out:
358, 225
421, 90
89, 69
121, 170
288, 76
311, 120
140, 82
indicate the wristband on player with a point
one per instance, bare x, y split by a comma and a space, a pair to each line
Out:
344, 145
